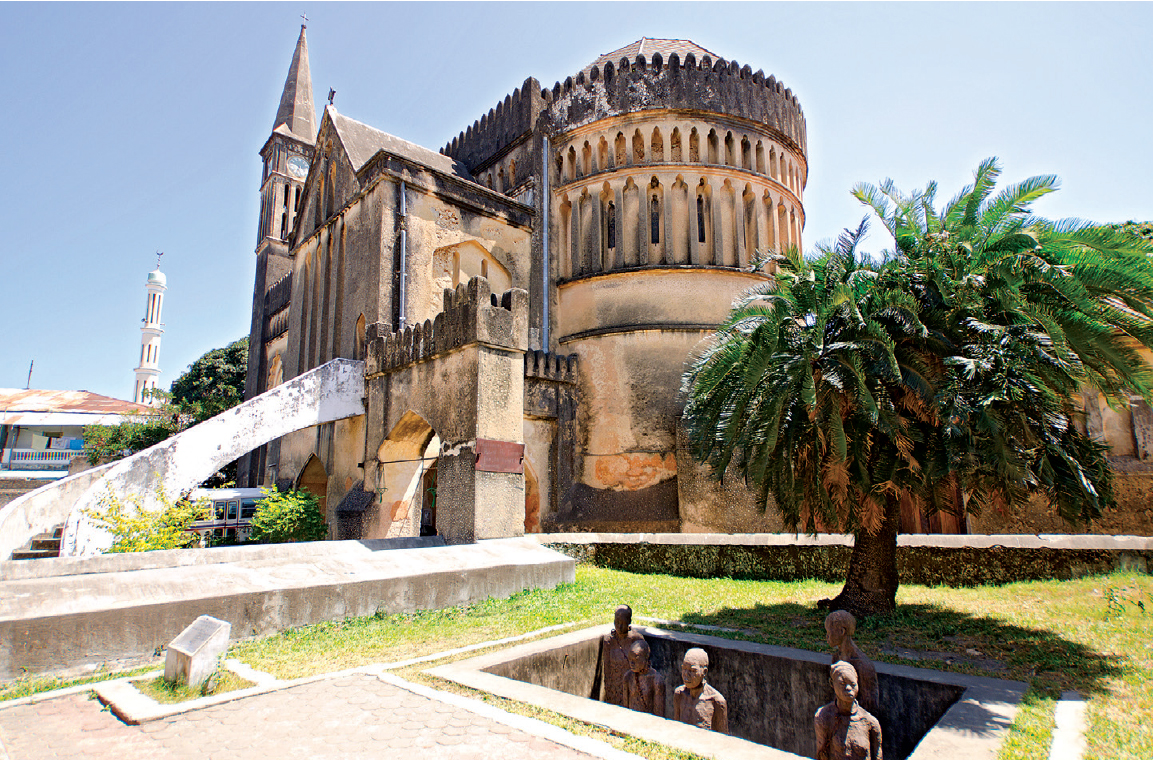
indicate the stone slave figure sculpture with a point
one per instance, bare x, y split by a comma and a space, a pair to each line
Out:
843, 730
839, 629
615, 657
644, 687
697, 702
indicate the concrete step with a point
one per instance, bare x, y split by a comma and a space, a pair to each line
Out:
36, 553
42, 546
45, 542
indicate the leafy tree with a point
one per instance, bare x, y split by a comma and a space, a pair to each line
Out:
213, 383
942, 377
136, 529
286, 516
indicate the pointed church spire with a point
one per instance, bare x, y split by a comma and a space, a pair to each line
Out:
296, 110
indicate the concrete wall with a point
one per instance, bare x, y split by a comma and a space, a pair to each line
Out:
69, 613
922, 559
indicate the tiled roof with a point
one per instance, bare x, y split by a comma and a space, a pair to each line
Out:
647, 46
84, 402
362, 142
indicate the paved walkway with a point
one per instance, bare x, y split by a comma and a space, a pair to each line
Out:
351, 716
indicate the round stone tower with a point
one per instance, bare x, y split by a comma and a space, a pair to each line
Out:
670, 171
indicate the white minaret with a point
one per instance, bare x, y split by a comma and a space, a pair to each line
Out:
150, 332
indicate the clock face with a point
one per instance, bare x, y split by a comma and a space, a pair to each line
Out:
298, 167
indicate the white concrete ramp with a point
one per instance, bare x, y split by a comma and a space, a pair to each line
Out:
68, 613
330, 392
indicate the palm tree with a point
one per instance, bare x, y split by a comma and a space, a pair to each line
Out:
942, 378
808, 393
1030, 311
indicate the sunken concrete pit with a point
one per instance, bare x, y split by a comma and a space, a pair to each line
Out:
772, 694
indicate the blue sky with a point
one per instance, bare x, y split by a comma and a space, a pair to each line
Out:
131, 128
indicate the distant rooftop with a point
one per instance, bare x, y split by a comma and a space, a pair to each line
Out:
34, 400
647, 46
35, 407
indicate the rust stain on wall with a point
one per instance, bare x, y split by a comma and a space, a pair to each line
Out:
399, 510
633, 471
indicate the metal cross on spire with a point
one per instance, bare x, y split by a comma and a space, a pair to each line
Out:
304, 20
158, 255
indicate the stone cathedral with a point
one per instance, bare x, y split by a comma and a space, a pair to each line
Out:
529, 293
526, 298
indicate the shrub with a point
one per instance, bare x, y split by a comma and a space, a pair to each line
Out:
136, 529
287, 516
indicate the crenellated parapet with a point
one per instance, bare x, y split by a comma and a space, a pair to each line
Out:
505, 123
718, 86
545, 365
472, 313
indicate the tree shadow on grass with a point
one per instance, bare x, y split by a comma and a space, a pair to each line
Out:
937, 638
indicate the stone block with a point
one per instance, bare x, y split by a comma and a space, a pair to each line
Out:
194, 654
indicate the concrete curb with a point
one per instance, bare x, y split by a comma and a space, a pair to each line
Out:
134, 707
531, 726
1069, 740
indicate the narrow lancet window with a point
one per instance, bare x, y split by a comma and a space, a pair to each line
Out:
701, 220
655, 221
611, 227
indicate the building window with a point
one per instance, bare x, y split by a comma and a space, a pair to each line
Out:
701, 220
611, 227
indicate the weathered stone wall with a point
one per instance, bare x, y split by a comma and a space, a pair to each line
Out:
924, 560
460, 377
550, 430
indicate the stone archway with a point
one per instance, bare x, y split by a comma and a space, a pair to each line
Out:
403, 459
315, 480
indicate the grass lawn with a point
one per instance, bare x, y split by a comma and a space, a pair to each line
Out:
168, 693
29, 685
1090, 635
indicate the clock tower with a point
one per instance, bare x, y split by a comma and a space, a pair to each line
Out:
285, 160
287, 153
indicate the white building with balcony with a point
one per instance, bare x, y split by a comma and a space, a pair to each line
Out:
43, 430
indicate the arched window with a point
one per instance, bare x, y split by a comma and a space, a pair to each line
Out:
701, 219
639, 147
611, 226
655, 220
620, 150
676, 146
695, 153
657, 148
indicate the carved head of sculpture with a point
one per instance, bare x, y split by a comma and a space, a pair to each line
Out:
623, 616
839, 625
639, 656
844, 679
694, 667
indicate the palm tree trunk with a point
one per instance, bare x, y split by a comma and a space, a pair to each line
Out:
872, 580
